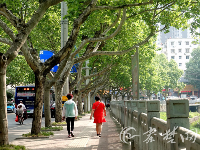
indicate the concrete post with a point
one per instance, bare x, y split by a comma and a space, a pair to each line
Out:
64, 38
177, 115
126, 113
133, 141
141, 108
87, 81
153, 110
122, 113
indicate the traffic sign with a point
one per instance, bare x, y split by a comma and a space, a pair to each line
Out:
44, 55
74, 70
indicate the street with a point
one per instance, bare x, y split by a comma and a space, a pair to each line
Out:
16, 130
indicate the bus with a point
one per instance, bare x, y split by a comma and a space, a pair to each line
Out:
26, 94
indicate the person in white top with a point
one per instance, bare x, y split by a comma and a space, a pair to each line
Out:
70, 112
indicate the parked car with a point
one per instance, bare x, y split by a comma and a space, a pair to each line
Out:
10, 107
171, 97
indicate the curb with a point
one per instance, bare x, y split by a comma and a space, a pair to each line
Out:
50, 130
41, 137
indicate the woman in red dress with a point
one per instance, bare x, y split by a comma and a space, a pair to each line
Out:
99, 111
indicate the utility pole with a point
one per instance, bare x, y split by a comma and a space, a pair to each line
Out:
135, 75
64, 38
87, 81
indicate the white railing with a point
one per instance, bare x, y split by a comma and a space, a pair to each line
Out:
145, 130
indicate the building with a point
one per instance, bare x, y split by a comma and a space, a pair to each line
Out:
180, 50
178, 45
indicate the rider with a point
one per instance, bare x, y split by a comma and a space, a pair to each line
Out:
22, 108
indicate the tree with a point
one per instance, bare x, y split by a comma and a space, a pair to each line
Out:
162, 74
14, 33
19, 72
192, 73
91, 23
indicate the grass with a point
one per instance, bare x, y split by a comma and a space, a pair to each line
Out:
195, 126
58, 123
39, 135
52, 128
12, 147
163, 115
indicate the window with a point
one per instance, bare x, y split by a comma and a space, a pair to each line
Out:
187, 50
180, 57
187, 57
180, 64
172, 57
179, 43
172, 43
187, 43
172, 50
179, 50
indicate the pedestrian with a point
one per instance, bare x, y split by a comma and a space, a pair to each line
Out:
99, 111
70, 112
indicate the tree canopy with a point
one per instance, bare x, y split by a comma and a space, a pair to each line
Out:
95, 28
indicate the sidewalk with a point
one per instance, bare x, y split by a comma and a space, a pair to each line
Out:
85, 137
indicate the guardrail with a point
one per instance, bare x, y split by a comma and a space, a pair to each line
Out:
145, 130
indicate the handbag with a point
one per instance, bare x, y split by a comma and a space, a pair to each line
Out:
17, 119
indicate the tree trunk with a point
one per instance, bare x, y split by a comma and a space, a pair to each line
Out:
3, 105
58, 99
85, 104
47, 107
80, 108
38, 104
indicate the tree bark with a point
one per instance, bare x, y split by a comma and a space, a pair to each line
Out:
47, 107
3, 106
58, 100
38, 104
80, 108
85, 104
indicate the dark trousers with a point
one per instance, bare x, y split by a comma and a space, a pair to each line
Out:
70, 120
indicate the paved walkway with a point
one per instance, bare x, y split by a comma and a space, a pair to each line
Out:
85, 137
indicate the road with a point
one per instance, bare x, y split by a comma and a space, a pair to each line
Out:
16, 130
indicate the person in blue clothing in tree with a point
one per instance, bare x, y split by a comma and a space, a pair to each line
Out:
70, 112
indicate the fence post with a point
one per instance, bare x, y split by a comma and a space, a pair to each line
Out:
126, 113
141, 108
153, 110
133, 105
177, 115
122, 113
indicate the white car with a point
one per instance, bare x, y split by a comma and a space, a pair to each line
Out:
171, 97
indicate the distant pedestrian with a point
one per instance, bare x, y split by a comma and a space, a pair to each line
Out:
99, 111
70, 112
